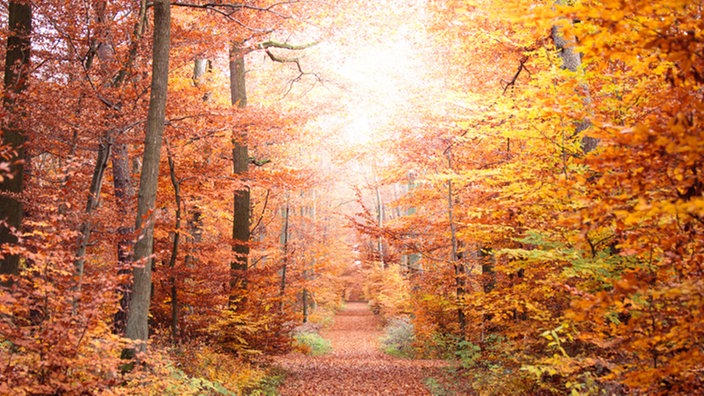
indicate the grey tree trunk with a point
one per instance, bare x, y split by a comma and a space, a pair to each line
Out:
458, 265
137, 318
572, 61
201, 66
284, 247
309, 272
123, 186
17, 65
240, 162
380, 220
124, 197
411, 259
104, 152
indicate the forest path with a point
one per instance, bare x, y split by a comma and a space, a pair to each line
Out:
356, 365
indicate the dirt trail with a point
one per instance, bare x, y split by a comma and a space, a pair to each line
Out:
356, 366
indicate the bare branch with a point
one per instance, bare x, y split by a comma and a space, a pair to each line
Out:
261, 216
521, 67
228, 9
293, 47
268, 45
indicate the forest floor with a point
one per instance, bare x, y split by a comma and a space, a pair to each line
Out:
356, 366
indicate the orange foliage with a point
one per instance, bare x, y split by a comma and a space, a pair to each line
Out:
593, 277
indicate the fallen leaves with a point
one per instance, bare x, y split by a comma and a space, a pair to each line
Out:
356, 366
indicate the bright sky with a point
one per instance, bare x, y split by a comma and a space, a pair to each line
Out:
381, 80
378, 66
373, 67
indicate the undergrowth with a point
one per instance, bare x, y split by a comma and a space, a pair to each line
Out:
197, 369
307, 340
399, 338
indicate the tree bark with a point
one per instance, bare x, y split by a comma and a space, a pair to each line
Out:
486, 259
380, 221
201, 66
137, 318
17, 62
174, 249
458, 265
572, 61
284, 246
240, 163
309, 272
101, 162
124, 197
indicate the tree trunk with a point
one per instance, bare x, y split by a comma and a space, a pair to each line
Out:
412, 258
124, 197
486, 258
458, 265
240, 162
309, 273
174, 249
304, 300
137, 318
122, 178
101, 162
201, 66
17, 62
380, 220
284, 246
572, 61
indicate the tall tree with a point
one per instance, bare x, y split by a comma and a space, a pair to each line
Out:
122, 180
240, 163
17, 61
137, 318
455, 256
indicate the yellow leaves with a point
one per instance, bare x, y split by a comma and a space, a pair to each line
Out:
659, 213
388, 291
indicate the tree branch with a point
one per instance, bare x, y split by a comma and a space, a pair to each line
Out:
293, 47
261, 216
268, 45
228, 9
521, 67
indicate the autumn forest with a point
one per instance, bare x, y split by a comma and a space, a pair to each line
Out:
197, 196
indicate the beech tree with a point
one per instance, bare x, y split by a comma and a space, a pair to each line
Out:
140, 298
17, 69
240, 163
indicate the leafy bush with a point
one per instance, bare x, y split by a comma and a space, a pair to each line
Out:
453, 347
436, 388
269, 386
311, 343
215, 371
399, 338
